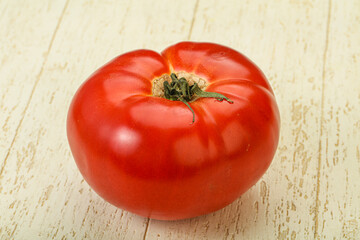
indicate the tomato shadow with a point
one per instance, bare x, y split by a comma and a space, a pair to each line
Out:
243, 217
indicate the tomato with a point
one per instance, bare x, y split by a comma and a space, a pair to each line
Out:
165, 159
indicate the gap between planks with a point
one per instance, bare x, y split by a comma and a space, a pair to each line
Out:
193, 19
317, 204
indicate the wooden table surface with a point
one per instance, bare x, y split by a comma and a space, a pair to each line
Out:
309, 50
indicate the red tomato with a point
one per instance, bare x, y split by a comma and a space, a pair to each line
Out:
140, 152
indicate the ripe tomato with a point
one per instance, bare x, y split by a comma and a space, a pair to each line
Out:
143, 153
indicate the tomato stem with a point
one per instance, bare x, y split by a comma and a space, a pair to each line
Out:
179, 90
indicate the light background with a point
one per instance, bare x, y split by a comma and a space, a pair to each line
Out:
309, 50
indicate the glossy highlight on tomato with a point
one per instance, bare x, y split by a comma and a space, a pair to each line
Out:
142, 154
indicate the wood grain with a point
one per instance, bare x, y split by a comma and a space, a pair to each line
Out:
25, 41
339, 170
309, 50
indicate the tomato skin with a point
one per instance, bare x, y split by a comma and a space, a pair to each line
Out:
141, 153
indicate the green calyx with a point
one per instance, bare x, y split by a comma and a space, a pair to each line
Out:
179, 90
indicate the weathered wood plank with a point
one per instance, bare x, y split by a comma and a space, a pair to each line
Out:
339, 179
25, 40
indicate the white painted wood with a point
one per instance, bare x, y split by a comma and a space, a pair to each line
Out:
25, 40
309, 51
339, 179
